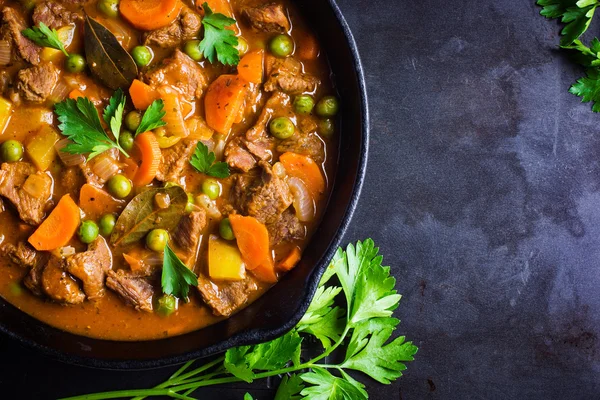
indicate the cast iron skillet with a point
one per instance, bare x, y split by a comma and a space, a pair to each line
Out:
277, 311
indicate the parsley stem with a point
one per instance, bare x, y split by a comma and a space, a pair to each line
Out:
126, 393
182, 369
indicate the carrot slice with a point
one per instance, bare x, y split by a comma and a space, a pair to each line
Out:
290, 260
148, 150
148, 15
75, 94
96, 202
59, 227
223, 100
305, 169
253, 242
250, 67
141, 94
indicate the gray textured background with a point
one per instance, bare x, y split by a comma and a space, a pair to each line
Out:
482, 192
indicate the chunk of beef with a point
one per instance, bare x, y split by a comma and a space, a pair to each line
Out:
72, 180
91, 267
35, 84
87, 168
181, 72
286, 228
33, 279
135, 290
269, 197
5, 81
22, 254
268, 18
13, 25
237, 155
226, 297
186, 27
307, 144
12, 178
278, 105
240, 183
287, 75
187, 235
261, 148
174, 159
59, 285
53, 14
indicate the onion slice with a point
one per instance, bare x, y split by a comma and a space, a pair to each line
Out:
104, 166
68, 159
303, 201
5, 52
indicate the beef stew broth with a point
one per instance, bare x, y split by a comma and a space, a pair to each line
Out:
107, 286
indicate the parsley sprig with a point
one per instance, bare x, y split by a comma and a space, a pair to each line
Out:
219, 41
361, 333
176, 277
204, 162
45, 37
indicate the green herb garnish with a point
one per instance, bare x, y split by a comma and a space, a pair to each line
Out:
219, 41
204, 162
113, 113
176, 277
361, 333
152, 117
45, 37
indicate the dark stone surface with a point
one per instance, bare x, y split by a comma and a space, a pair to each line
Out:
482, 192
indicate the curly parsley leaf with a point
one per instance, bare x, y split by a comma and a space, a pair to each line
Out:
152, 117
204, 162
326, 386
176, 277
289, 388
219, 41
113, 113
45, 37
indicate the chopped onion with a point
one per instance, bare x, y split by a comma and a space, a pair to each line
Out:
211, 208
199, 129
60, 92
5, 52
104, 166
63, 252
303, 201
173, 117
36, 185
68, 159
219, 148
124, 36
279, 170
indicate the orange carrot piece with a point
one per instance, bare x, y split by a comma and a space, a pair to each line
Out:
290, 260
59, 227
146, 145
222, 102
306, 170
250, 67
130, 168
253, 241
148, 15
141, 94
75, 94
308, 47
96, 202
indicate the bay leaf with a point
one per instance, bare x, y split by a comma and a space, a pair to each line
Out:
107, 59
142, 215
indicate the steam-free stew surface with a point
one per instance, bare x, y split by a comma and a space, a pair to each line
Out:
231, 186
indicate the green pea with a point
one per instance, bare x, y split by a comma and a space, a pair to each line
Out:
119, 186
190, 206
326, 127
192, 49
142, 55
133, 120
328, 106
11, 151
225, 229
110, 8
167, 305
304, 104
282, 127
281, 46
242, 46
156, 239
107, 224
126, 140
211, 188
88, 231
75, 63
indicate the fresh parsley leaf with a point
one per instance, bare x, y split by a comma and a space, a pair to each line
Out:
219, 41
152, 117
326, 386
289, 388
555, 8
204, 162
577, 21
79, 121
588, 88
321, 320
176, 277
586, 56
248, 396
113, 113
45, 37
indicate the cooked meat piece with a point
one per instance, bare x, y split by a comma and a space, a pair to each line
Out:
286, 228
278, 105
240, 183
11, 30
226, 297
33, 279
12, 177
72, 180
22, 254
135, 290
59, 285
186, 27
187, 235
268, 18
261, 148
5, 81
237, 156
268, 197
309, 145
174, 159
35, 84
88, 167
53, 14
287, 75
91, 267
181, 72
